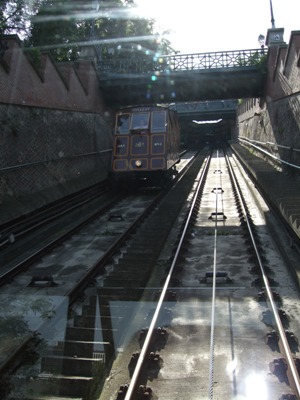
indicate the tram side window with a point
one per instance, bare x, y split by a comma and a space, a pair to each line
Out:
158, 122
122, 124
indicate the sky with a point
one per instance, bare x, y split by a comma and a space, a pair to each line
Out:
215, 25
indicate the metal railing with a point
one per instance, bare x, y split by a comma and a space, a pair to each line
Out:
30, 164
183, 62
255, 143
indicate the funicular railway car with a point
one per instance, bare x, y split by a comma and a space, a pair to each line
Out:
146, 146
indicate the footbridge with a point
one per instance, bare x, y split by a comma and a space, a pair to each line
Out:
183, 77
206, 110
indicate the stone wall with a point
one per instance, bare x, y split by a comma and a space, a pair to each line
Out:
55, 130
274, 120
40, 82
46, 154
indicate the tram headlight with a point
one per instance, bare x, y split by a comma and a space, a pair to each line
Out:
138, 163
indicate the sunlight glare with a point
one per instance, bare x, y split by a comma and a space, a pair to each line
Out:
195, 26
231, 366
256, 387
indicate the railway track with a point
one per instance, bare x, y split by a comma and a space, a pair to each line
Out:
13, 230
225, 333
180, 310
66, 271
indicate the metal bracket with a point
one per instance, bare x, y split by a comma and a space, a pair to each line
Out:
115, 218
217, 190
42, 281
217, 216
221, 276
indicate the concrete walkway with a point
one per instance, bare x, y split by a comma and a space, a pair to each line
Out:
281, 188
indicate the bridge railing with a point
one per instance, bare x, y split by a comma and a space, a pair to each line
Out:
183, 62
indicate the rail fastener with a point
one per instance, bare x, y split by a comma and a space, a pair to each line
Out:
115, 218
262, 296
291, 338
217, 190
297, 364
42, 281
272, 339
217, 216
278, 367
160, 336
143, 392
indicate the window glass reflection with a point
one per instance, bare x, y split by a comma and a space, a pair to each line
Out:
140, 121
159, 121
122, 124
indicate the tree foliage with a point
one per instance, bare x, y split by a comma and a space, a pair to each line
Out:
62, 26
54, 27
15, 16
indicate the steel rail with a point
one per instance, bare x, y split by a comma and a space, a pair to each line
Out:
214, 284
34, 220
84, 281
294, 383
130, 394
8, 274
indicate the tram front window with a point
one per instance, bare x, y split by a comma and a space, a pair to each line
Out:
122, 124
140, 121
158, 122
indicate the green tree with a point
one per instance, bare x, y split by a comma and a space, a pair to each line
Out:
62, 25
15, 16
54, 26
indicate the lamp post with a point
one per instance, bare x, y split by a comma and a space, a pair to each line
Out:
261, 41
272, 15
